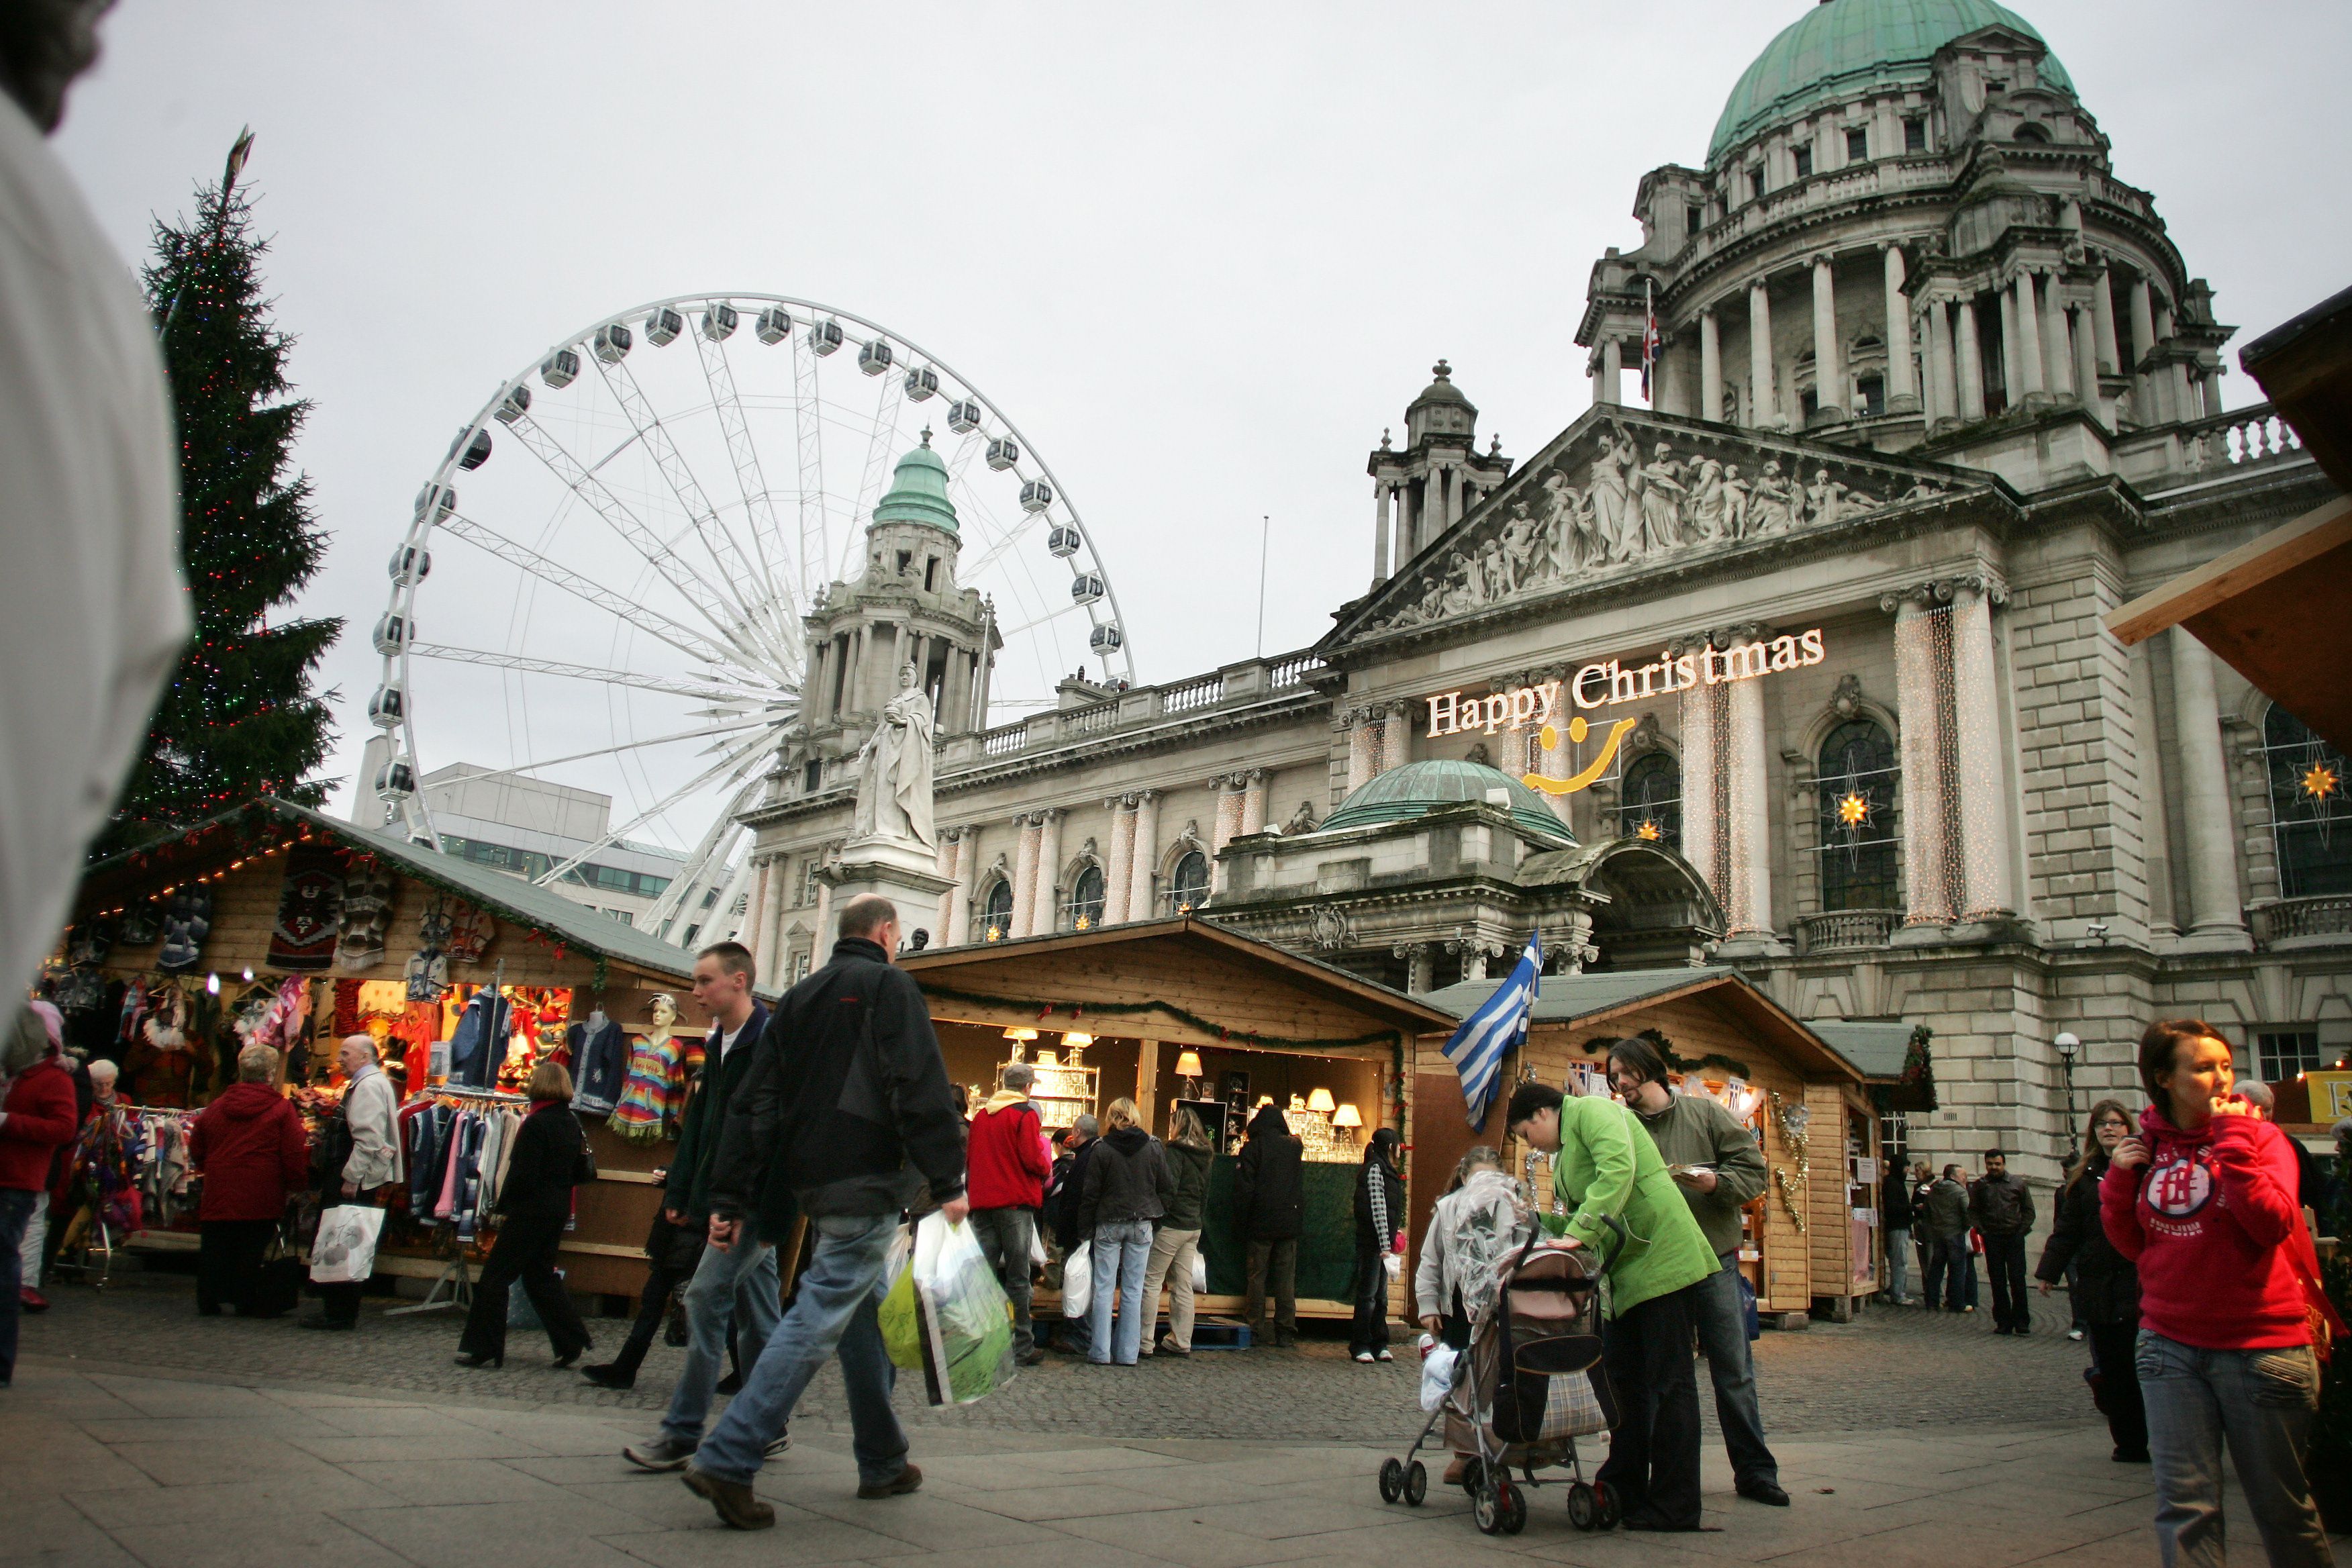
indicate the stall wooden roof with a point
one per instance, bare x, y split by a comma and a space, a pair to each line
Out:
1184, 979
1576, 1000
134, 874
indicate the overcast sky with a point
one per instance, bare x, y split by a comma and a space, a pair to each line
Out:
1202, 254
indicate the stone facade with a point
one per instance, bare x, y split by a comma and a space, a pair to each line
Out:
1932, 400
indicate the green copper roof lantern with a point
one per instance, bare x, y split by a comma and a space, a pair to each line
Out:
918, 491
1842, 48
1416, 789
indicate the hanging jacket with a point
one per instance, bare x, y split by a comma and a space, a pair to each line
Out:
600, 1062
2107, 1288
250, 1146
1269, 1190
1127, 1179
479, 1047
2208, 1221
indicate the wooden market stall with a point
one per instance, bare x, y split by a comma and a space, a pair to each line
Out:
281, 923
1809, 1242
1184, 1009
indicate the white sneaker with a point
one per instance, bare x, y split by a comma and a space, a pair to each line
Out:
1364, 1356
1382, 1355
784, 1441
2075, 1334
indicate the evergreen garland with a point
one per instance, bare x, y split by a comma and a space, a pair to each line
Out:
239, 719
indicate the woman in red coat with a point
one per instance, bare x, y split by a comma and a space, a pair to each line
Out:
2203, 1201
251, 1148
36, 1117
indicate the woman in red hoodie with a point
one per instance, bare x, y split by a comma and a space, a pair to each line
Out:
36, 1118
251, 1148
2203, 1202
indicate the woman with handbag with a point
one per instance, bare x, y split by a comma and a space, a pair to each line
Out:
1380, 1235
2107, 1288
550, 1157
2233, 1326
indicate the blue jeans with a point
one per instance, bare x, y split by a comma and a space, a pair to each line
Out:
16, 1213
1951, 1271
2262, 1401
1122, 1250
1898, 1265
832, 1315
735, 1288
1722, 1340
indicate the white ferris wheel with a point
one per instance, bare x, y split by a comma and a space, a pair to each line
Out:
602, 582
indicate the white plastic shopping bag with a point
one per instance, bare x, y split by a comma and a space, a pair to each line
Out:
965, 1316
1037, 1259
344, 1252
1200, 1273
1078, 1280
1437, 1376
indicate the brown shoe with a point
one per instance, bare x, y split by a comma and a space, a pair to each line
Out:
735, 1501
899, 1485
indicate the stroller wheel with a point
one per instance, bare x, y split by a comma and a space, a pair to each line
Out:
1474, 1474
1515, 1507
1583, 1507
1611, 1509
1416, 1484
1392, 1479
1486, 1507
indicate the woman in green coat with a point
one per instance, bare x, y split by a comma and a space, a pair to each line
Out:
1605, 1168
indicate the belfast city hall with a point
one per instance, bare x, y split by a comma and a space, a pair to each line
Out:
1798, 668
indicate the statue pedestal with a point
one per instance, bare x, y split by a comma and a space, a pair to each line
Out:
902, 871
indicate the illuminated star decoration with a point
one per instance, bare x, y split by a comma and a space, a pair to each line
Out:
1648, 830
2319, 781
1853, 809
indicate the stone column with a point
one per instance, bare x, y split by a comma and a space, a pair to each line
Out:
1433, 503
1980, 753
1253, 802
1396, 737
1918, 682
2216, 908
1228, 823
2057, 350
1024, 878
1710, 367
1898, 331
1829, 364
2103, 317
2212, 380
1146, 859
2031, 374
1118, 877
1701, 802
1555, 765
1763, 408
2086, 362
1942, 373
1970, 360
2012, 353
1361, 740
960, 911
2142, 324
1046, 905
821, 944
1457, 486
1746, 817
1416, 956
759, 905
1400, 499
1612, 372
771, 921
950, 854
1379, 533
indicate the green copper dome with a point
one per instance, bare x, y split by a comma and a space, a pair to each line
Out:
1417, 789
1844, 48
918, 491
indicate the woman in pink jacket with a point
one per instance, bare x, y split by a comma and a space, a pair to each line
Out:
2203, 1202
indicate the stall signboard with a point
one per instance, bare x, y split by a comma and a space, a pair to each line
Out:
2331, 1095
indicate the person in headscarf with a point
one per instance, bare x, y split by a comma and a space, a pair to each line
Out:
1379, 1236
1268, 1195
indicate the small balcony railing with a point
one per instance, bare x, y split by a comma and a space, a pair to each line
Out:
2324, 915
1837, 929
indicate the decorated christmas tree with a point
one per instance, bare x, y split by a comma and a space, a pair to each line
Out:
240, 717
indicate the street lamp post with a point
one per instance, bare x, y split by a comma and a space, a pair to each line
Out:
2068, 1044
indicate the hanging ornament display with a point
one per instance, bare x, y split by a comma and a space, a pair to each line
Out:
309, 909
366, 915
187, 920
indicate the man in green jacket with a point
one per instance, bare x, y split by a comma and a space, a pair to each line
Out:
734, 1291
1605, 1168
1719, 1167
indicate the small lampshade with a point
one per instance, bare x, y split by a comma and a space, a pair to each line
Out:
1188, 1064
1265, 1100
1346, 1116
1319, 1099
1075, 1039
1017, 1033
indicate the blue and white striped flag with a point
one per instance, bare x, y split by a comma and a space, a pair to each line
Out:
1478, 1047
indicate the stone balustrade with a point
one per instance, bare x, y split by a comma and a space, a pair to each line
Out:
2321, 917
1235, 685
2249, 435
1835, 930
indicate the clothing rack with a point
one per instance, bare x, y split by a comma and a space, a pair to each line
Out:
454, 1286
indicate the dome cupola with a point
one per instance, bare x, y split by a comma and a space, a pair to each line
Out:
1416, 789
918, 491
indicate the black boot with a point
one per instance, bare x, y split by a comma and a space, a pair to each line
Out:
621, 1372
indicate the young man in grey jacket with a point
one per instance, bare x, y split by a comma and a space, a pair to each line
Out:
1718, 1167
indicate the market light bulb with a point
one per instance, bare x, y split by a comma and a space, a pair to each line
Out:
212, 983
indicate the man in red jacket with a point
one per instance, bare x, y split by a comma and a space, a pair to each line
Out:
251, 1148
1009, 1161
36, 1117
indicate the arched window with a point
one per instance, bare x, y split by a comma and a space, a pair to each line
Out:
1649, 801
1188, 889
2309, 822
1858, 832
1085, 910
996, 913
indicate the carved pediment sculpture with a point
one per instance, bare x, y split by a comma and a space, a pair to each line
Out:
1620, 492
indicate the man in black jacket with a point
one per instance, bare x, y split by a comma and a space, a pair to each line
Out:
733, 1294
2002, 1208
1268, 1195
848, 1107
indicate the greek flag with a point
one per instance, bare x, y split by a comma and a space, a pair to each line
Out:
1477, 1047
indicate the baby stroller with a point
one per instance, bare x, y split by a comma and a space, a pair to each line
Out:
1529, 1384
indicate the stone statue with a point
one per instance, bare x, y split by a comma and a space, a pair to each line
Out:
894, 792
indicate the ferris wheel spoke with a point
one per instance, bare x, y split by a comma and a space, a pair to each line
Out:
878, 453
1036, 621
734, 757
651, 622
717, 843
808, 420
704, 690
702, 732
752, 481
697, 589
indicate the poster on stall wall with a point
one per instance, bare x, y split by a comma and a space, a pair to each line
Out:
309, 911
